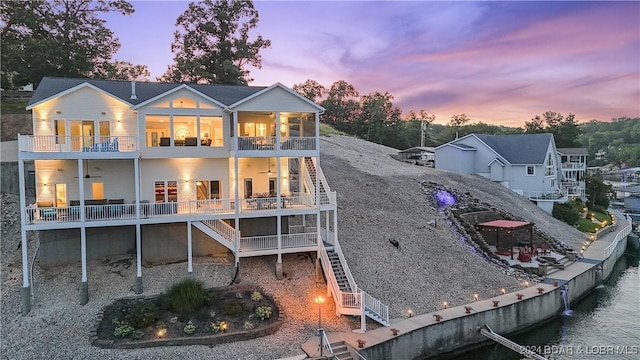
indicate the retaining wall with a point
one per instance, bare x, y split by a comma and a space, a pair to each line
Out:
461, 333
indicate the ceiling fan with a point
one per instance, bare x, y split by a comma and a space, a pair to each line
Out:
87, 175
269, 172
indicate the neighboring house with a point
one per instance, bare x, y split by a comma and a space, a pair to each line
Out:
173, 171
573, 162
526, 163
420, 155
601, 154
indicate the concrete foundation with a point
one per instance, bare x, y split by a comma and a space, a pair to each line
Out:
26, 300
319, 275
137, 285
84, 293
279, 270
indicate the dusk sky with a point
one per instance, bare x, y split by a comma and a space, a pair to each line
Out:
498, 62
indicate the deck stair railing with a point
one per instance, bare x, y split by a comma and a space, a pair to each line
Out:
314, 172
226, 234
350, 300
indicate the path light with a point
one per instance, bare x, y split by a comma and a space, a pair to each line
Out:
410, 313
475, 297
526, 284
162, 333
320, 300
503, 291
445, 304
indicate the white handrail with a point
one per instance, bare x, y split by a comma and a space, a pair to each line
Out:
222, 228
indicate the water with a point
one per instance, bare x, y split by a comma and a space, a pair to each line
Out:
603, 325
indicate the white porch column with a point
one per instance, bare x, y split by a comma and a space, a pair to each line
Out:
189, 249
236, 175
26, 286
84, 289
137, 285
279, 261
335, 224
81, 190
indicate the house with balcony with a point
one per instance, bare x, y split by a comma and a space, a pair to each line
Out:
573, 163
525, 163
169, 172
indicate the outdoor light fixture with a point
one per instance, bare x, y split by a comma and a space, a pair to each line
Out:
445, 304
320, 300
475, 297
503, 291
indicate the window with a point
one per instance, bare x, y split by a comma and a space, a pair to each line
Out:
549, 170
105, 131
272, 186
166, 191
248, 188
97, 190
158, 130
61, 195
60, 132
208, 189
531, 170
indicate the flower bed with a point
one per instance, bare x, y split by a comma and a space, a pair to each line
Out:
232, 313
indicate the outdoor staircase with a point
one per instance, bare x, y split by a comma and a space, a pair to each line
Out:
340, 351
311, 170
560, 265
219, 231
338, 271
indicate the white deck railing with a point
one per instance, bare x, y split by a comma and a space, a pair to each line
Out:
299, 240
251, 143
58, 143
374, 305
148, 210
270, 242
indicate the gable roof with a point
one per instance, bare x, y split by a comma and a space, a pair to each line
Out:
51, 87
519, 149
573, 151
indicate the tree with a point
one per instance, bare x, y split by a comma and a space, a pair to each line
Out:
565, 130
55, 38
310, 89
377, 118
342, 106
597, 192
456, 122
122, 70
213, 46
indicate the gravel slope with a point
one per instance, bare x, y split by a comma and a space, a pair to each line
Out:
379, 199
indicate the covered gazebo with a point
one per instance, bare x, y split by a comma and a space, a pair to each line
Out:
510, 226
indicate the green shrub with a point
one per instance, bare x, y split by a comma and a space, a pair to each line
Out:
256, 296
566, 212
141, 315
263, 312
247, 325
219, 326
186, 296
189, 328
123, 329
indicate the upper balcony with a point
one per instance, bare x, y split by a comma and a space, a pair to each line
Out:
82, 145
260, 143
574, 166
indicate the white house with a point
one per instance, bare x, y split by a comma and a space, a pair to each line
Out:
173, 171
573, 162
526, 163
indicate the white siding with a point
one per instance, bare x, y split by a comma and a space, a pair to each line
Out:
277, 99
84, 104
